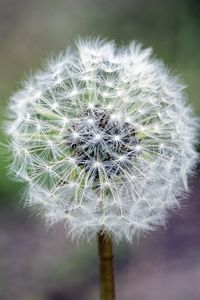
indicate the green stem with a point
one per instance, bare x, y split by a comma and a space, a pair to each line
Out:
107, 286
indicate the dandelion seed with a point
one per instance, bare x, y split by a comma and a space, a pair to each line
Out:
75, 135
138, 148
74, 92
91, 105
72, 160
54, 106
65, 120
121, 158
116, 138
97, 164
115, 116
90, 121
109, 107
97, 137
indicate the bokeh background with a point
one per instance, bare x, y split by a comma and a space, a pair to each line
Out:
41, 264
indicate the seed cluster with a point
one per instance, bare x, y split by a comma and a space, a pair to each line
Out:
103, 139
98, 140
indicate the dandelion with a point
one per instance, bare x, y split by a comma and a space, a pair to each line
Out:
105, 141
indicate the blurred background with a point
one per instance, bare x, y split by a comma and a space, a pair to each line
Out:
41, 264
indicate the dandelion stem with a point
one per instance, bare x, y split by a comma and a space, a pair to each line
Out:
107, 286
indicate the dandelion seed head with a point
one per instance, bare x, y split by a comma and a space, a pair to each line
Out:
104, 139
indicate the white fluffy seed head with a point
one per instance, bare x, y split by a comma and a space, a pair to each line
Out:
104, 139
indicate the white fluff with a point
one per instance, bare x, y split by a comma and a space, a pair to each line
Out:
104, 140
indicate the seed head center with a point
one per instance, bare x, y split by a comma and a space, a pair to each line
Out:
98, 137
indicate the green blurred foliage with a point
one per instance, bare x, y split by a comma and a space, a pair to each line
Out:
31, 30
